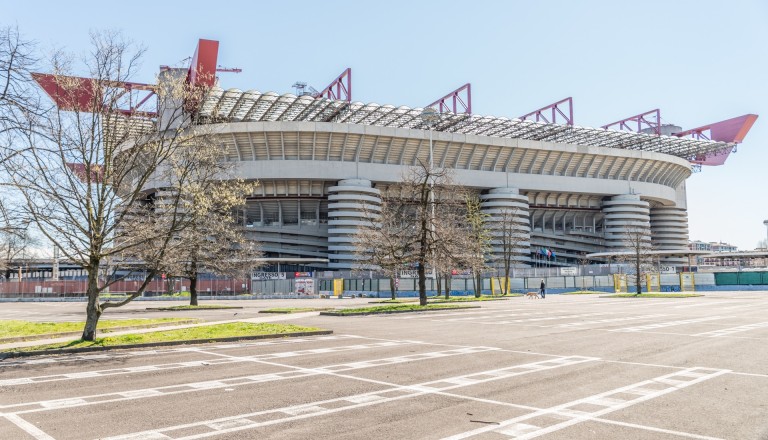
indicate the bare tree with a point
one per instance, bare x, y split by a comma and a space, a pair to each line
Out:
478, 239
212, 241
434, 198
456, 244
637, 253
508, 236
386, 241
85, 167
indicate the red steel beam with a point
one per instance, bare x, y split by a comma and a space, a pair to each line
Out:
455, 101
340, 88
554, 110
202, 70
73, 93
642, 122
732, 131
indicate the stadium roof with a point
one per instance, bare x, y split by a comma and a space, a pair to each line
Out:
234, 105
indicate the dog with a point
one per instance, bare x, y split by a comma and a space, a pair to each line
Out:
532, 295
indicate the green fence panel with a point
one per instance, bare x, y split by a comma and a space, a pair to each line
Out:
747, 278
726, 279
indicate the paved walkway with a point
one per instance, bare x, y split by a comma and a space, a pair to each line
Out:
265, 318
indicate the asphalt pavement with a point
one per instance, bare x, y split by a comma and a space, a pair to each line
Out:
565, 367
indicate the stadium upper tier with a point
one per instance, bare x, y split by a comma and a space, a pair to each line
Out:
234, 105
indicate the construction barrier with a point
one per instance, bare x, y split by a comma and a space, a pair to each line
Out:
620, 283
687, 283
653, 282
338, 287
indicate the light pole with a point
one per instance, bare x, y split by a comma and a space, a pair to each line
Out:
765, 222
430, 117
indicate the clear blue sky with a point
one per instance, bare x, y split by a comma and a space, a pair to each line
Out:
699, 61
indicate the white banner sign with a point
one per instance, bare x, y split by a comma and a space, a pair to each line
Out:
268, 276
569, 271
414, 274
305, 286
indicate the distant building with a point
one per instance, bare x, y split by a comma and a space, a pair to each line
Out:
715, 247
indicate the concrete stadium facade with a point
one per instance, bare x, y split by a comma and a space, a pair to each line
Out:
316, 179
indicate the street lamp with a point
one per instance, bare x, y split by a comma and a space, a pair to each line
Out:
431, 117
765, 222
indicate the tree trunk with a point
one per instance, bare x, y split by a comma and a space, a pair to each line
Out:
193, 290
507, 264
392, 287
447, 285
422, 284
439, 281
93, 310
478, 284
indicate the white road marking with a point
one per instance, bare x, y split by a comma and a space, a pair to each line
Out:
592, 407
191, 364
732, 330
29, 428
701, 304
181, 388
654, 429
669, 324
609, 320
139, 353
395, 392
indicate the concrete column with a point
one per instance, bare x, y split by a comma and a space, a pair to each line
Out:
501, 203
348, 204
624, 214
669, 231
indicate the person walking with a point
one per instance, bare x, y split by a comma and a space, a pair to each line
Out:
542, 289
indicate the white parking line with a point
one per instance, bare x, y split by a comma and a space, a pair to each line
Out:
138, 353
732, 330
608, 320
192, 364
592, 407
208, 428
669, 324
29, 428
231, 382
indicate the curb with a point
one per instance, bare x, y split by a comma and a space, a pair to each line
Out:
109, 330
390, 312
160, 344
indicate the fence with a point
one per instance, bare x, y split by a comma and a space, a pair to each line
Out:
379, 287
77, 288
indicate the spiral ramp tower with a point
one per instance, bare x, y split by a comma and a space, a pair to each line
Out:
350, 205
507, 204
669, 231
626, 217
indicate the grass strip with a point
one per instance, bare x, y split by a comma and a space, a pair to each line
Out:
16, 328
394, 308
395, 301
294, 309
192, 334
188, 307
653, 295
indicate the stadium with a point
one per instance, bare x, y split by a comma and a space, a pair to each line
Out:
320, 157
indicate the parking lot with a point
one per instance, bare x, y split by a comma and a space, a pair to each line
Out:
566, 367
